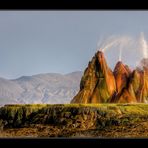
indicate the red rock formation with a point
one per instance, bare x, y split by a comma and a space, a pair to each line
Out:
121, 74
98, 83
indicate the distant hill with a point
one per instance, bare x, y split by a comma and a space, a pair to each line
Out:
50, 88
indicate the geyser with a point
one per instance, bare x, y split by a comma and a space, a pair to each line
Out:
144, 45
119, 43
120, 54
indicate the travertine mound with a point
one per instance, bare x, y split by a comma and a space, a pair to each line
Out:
100, 85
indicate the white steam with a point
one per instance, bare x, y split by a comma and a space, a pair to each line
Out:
115, 41
129, 49
120, 55
144, 45
119, 42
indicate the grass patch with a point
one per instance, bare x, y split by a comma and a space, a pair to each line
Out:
60, 114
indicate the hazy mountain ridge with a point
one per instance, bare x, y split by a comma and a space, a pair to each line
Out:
40, 88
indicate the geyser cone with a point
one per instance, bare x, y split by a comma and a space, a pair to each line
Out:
122, 77
137, 88
97, 84
132, 93
121, 73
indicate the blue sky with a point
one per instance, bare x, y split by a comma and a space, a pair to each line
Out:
33, 42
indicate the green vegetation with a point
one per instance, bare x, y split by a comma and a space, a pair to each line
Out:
83, 116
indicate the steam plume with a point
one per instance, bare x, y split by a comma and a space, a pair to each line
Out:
120, 54
114, 41
144, 45
130, 45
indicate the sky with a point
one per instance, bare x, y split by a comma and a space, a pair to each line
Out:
34, 42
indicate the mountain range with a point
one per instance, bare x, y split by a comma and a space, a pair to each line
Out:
52, 88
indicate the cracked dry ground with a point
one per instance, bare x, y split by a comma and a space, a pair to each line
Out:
137, 130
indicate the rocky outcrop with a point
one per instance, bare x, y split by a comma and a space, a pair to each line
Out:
121, 73
122, 77
100, 85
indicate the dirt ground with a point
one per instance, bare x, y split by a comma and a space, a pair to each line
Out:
138, 130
